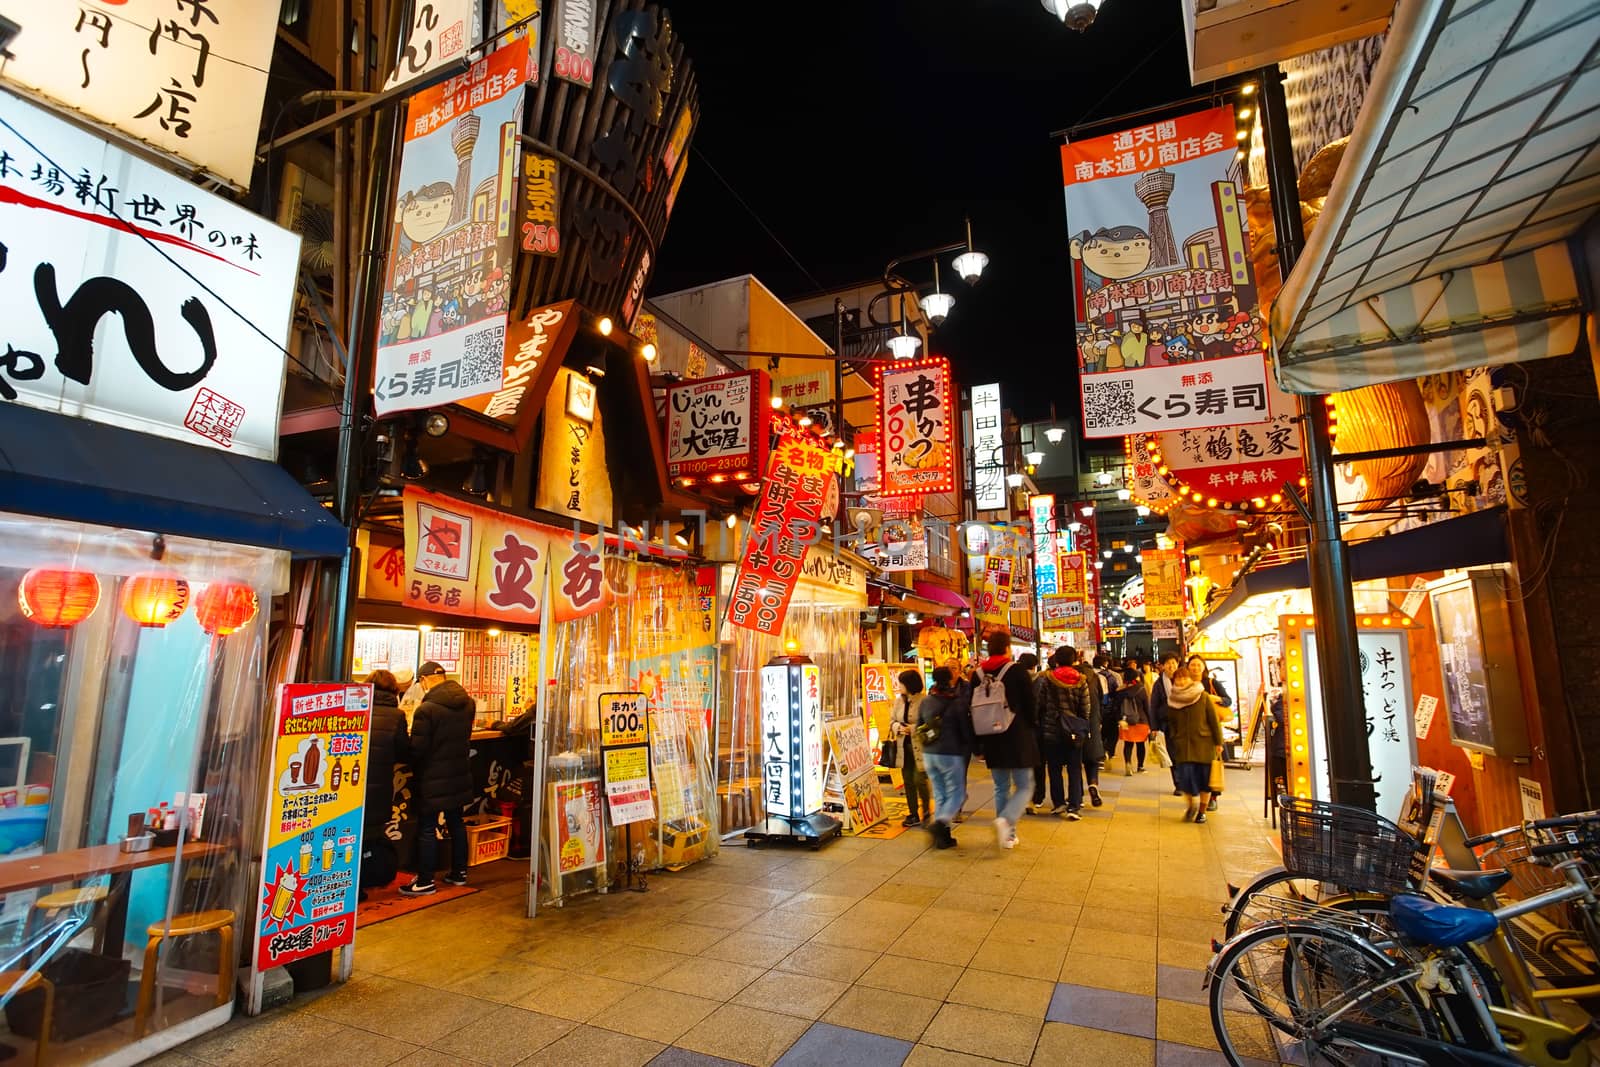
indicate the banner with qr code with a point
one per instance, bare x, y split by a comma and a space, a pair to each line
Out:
443, 323
1161, 271
1218, 392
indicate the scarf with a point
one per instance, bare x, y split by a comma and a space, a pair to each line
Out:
1181, 696
992, 665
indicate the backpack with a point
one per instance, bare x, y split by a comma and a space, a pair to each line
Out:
991, 714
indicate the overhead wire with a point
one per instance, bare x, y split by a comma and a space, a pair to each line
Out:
759, 221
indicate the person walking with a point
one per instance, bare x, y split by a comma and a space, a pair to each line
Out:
387, 745
1003, 719
1094, 747
1194, 738
944, 721
441, 759
1133, 708
904, 728
1061, 697
1110, 715
1225, 712
1159, 690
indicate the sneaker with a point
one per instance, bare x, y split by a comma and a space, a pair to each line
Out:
1200, 816
1188, 815
1003, 834
455, 879
1072, 815
1013, 841
1213, 805
910, 821
1177, 792
418, 889
1127, 769
1029, 810
1094, 796
1059, 809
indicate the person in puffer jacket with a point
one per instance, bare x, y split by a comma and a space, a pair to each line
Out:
1061, 695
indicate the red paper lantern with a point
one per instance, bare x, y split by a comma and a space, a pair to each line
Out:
223, 607
58, 600
154, 600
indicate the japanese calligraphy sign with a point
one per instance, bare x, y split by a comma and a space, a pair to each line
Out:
717, 426
1386, 698
1146, 303
914, 427
443, 321
133, 297
792, 769
535, 345
1163, 583
312, 844
572, 470
782, 529
540, 226
1148, 484
462, 559
186, 76
1232, 464
574, 28
988, 456
441, 31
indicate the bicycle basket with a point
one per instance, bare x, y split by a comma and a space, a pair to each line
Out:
1350, 847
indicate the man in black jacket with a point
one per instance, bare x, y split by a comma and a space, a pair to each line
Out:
441, 757
1158, 707
1012, 754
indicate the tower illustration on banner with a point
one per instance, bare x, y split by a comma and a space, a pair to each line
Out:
1154, 190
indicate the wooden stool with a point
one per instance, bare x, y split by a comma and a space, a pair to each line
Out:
15, 984
187, 925
92, 895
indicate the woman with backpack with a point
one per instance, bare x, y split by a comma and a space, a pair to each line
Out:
944, 722
1134, 705
1003, 723
1061, 696
904, 728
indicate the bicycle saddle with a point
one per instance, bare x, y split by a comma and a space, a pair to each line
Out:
1473, 885
1440, 925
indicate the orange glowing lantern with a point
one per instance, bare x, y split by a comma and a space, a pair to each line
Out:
58, 600
154, 600
223, 607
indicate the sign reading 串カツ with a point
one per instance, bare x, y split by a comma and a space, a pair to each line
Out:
133, 297
1155, 316
914, 428
443, 322
187, 76
717, 425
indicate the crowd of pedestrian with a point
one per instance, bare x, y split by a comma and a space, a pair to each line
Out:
1045, 732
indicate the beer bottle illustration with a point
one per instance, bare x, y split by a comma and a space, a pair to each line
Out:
336, 775
355, 772
312, 763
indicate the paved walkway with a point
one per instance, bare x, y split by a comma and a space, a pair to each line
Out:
1086, 943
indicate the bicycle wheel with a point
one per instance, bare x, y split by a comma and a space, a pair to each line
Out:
1261, 900
1275, 987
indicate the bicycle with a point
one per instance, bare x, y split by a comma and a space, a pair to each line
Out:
1346, 990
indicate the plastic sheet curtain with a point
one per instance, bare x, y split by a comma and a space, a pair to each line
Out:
831, 636
104, 719
655, 637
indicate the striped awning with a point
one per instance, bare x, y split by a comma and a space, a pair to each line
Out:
1444, 242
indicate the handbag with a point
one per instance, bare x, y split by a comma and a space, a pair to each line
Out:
1158, 750
1215, 785
928, 732
890, 756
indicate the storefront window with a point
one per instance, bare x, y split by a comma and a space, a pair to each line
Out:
131, 682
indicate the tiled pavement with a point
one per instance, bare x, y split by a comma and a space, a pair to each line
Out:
1086, 943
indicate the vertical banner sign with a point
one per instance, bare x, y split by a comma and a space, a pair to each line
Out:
1163, 583
717, 427
1071, 581
186, 76
1042, 509
572, 471
540, 230
311, 853
575, 41
441, 31
1386, 702
1149, 311
779, 744
782, 529
625, 757
993, 603
988, 452
877, 694
115, 241
443, 322
914, 427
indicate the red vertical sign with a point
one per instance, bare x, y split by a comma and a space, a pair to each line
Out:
785, 525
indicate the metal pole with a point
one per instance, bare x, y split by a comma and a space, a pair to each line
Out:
838, 369
1338, 663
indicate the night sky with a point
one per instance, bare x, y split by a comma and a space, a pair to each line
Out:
863, 131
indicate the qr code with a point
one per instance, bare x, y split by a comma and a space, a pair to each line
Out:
1108, 405
484, 357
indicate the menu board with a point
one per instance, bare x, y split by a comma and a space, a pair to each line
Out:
312, 847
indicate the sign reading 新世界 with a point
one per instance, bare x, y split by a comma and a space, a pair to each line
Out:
1155, 316
306, 896
914, 428
133, 297
187, 76
717, 426
443, 321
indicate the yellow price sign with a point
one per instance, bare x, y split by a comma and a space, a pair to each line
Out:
623, 719
628, 765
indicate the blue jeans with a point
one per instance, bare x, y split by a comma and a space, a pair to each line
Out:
1013, 787
949, 777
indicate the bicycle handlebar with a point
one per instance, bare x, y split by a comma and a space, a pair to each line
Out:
1559, 848
1484, 839
1578, 819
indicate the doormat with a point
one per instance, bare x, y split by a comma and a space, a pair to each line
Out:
386, 903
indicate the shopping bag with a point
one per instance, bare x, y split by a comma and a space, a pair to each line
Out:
1158, 750
1216, 776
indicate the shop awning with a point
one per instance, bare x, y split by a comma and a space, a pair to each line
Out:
1443, 242
940, 595
1474, 540
64, 468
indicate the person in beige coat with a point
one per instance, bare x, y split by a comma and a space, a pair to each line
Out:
1194, 739
904, 728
